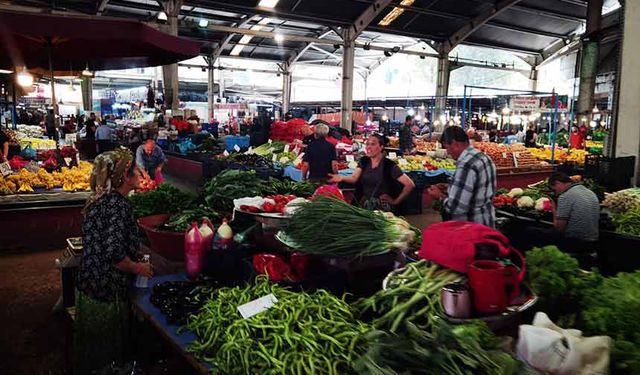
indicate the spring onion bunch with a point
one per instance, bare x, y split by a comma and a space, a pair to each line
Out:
329, 226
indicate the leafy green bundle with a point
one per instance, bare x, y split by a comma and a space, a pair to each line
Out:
181, 221
231, 184
164, 199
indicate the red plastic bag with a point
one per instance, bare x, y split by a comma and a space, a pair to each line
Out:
452, 244
299, 263
329, 191
193, 251
273, 266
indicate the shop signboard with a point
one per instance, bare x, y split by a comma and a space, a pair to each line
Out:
525, 103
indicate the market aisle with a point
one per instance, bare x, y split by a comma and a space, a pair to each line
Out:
33, 340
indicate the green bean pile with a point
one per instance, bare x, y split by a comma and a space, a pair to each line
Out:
302, 333
411, 296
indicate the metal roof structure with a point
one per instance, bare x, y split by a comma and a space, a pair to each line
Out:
423, 27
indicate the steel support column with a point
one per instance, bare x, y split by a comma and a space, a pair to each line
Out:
348, 62
442, 88
589, 61
286, 87
211, 86
626, 129
170, 72
86, 86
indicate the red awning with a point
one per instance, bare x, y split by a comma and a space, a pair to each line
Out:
102, 43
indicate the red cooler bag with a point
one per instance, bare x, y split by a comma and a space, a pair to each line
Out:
452, 244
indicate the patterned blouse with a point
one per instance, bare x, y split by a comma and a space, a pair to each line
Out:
109, 234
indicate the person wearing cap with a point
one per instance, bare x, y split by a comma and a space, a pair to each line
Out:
469, 195
576, 215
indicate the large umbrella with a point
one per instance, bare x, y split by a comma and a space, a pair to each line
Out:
57, 43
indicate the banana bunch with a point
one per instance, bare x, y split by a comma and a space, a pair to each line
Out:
71, 179
7, 187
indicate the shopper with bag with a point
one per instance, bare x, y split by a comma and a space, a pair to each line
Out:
380, 184
469, 196
108, 266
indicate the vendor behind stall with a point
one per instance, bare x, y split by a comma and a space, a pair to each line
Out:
319, 158
380, 184
150, 159
576, 215
469, 196
103, 137
108, 267
407, 142
4, 146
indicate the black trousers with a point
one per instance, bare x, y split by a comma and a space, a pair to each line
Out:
104, 146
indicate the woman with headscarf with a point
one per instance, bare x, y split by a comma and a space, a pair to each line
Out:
109, 264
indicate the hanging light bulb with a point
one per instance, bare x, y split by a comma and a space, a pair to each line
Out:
411, 112
385, 117
595, 109
86, 72
24, 78
505, 110
422, 107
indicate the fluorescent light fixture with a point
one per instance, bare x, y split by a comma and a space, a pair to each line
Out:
279, 38
268, 3
203, 23
3, 71
162, 16
237, 49
24, 78
395, 13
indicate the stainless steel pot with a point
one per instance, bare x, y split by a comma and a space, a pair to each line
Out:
456, 300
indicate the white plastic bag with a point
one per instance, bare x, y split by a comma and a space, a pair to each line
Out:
553, 350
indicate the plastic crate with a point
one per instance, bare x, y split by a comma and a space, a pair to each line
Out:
616, 173
591, 166
231, 141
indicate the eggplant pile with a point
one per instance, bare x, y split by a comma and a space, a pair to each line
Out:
179, 299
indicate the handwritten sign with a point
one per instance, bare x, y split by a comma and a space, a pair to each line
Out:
257, 306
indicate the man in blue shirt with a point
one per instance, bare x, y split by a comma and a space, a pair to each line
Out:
103, 137
150, 159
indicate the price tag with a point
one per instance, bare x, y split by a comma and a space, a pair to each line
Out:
67, 161
392, 155
286, 148
5, 168
225, 153
504, 155
270, 141
257, 306
235, 147
274, 158
70, 138
350, 158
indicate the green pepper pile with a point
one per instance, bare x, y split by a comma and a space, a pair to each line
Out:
303, 333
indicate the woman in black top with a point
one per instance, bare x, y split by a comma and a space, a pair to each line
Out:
109, 264
380, 184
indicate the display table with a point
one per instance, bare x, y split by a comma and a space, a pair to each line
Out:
184, 167
40, 221
616, 252
140, 301
518, 178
